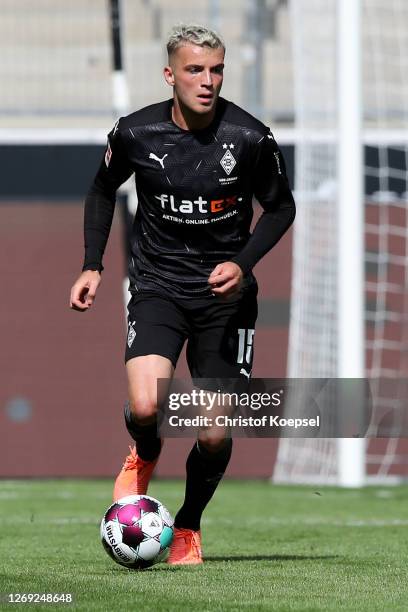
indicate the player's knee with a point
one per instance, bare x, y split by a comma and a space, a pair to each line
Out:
143, 410
214, 443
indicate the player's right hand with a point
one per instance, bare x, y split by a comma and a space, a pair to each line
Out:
84, 290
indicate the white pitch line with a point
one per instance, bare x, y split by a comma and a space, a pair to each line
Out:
299, 521
261, 521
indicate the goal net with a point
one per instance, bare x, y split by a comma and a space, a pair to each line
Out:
314, 312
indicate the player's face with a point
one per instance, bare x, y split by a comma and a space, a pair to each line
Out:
196, 73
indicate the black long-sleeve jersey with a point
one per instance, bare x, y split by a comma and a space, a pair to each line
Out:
195, 191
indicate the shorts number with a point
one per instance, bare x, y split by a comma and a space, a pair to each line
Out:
245, 344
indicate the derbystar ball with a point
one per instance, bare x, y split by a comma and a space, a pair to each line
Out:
136, 531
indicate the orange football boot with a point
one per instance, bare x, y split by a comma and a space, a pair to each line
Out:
134, 477
185, 548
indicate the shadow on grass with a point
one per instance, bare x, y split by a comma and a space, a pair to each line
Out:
271, 558
232, 558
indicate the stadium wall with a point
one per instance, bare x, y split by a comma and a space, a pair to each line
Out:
63, 383
63, 380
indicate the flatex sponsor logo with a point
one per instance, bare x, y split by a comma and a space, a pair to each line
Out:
187, 207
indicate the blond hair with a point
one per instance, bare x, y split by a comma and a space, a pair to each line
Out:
194, 34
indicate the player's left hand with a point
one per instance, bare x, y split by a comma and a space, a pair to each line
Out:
226, 279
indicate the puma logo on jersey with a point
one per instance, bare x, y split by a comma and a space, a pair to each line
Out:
245, 373
160, 160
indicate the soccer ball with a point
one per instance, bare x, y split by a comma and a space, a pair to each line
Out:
136, 531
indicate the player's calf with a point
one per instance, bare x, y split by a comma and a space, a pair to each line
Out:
141, 423
137, 470
204, 471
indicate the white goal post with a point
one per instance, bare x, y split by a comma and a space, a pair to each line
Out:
350, 237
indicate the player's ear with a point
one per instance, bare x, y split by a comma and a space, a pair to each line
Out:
168, 75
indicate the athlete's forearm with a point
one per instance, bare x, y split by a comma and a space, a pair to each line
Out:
99, 209
100, 201
269, 229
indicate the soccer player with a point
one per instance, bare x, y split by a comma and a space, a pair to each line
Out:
198, 160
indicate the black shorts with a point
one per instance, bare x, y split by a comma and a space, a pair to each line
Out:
219, 333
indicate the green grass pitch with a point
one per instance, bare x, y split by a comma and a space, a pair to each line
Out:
266, 547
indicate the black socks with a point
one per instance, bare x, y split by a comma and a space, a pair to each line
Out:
204, 472
204, 469
148, 445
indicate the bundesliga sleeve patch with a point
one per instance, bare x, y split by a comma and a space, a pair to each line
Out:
108, 155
